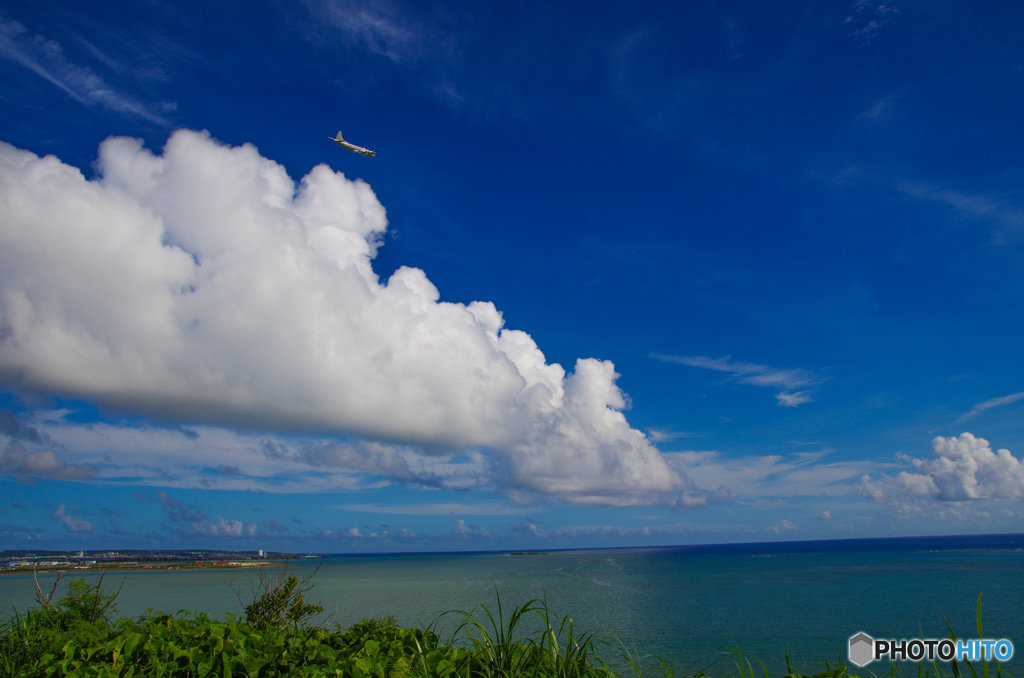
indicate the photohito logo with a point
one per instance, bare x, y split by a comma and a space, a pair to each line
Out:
864, 649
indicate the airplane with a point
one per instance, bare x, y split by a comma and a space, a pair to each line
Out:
352, 147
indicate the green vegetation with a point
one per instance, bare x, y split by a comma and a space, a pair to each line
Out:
280, 603
76, 636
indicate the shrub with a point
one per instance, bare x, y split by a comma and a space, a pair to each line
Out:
280, 602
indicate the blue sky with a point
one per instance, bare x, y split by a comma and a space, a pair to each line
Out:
653, 274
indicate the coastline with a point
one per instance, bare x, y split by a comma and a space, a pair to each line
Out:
181, 566
132, 560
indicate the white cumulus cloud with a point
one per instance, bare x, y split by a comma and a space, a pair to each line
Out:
204, 286
962, 468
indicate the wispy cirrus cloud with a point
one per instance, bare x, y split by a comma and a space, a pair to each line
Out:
1006, 214
866, 20
439, 509
803, 474
47, 59
420, 42
794, 386
990, 405
381, 27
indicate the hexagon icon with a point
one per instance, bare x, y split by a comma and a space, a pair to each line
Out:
862, 649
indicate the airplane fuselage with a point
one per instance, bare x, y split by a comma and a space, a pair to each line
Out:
352, 147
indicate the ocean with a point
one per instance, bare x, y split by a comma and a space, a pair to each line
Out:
690, 605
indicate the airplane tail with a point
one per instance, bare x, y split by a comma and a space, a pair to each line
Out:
337, 138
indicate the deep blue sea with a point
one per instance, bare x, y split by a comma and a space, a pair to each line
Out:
687, 604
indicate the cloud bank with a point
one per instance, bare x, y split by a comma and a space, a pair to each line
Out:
204, 286
16, 460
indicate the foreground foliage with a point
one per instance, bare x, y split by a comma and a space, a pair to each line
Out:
76, 636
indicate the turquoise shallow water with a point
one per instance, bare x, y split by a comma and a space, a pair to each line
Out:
686, 604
